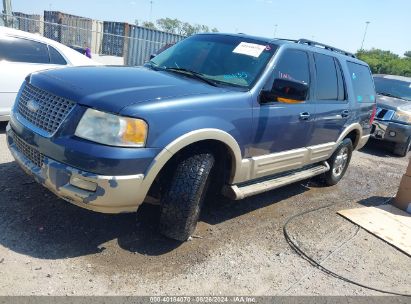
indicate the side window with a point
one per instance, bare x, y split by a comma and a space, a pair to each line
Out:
291, 79
293, 65
22, 50
55, 57
362, 82
327, 83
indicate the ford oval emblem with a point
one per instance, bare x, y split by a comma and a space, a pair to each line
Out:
33, 106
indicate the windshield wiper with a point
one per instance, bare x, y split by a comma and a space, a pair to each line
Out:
193, 74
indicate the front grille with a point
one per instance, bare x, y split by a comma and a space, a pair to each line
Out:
384, 114
50, 112
381, 113
32, 154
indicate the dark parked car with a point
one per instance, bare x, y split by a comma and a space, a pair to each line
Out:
215, 113
393, 118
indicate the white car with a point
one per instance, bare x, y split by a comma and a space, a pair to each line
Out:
23, 53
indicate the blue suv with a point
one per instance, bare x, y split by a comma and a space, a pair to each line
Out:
215, 113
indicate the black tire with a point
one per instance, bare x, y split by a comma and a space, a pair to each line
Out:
402, 149
338, 162
182, 201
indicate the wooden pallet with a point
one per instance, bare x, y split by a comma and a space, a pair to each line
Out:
386, 222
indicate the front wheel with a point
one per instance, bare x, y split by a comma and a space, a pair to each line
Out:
402, 149
184, 197
339, 162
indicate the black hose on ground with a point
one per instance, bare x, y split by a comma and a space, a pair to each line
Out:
304, 255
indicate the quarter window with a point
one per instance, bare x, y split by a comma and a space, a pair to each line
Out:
55, 57
362, 82
327, 83
22, 50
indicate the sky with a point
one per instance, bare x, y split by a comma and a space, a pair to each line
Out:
334, 22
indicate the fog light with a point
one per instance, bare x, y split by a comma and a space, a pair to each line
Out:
392, 133
83, 184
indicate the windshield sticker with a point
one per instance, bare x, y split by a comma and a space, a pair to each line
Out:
249, 49
354, 77
359, 98
372, 97
239, 75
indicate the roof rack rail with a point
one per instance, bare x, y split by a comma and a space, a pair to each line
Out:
327, 47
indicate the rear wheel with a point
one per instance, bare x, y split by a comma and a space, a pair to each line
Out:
184, 196
402, 149
339, 162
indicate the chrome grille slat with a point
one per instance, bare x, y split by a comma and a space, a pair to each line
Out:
51, 112
32, 154
384, 114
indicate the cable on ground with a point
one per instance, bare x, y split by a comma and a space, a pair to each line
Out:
317, 264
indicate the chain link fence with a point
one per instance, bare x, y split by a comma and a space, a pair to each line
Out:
108, 41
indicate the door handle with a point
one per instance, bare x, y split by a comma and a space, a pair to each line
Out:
305, 116
345, 113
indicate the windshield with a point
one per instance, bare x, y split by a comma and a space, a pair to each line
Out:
230, 60
393, 88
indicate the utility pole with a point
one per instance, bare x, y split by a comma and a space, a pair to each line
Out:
151, 11
7, 12
275, 30
365, 34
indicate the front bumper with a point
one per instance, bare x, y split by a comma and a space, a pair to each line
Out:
4, 117
391, 131
106, 194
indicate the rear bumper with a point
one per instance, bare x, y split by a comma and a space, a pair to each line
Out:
391, 131
106, 194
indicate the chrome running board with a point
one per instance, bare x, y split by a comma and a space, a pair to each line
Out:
238, 192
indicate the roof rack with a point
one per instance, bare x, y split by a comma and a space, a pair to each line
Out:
327, 47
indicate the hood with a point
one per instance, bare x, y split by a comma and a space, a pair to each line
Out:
113, 88
391, 103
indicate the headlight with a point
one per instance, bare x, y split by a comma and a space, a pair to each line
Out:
403, 114
112, 130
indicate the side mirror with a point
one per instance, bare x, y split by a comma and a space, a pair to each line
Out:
285, 90
152, 56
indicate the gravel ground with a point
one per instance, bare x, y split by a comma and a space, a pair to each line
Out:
49, 247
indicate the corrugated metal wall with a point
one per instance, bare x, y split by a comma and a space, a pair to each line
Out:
68, 29
76, 30
96, 36
134, 43
144, 42
114, 38
52, 29
28, 23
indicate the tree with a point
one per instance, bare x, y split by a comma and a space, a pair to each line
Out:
407, 54
148, 24
176, 26
169, 25
385, 62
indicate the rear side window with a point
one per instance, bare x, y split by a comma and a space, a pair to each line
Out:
22, 50
362, 82
327, 82
55, 57
293, 65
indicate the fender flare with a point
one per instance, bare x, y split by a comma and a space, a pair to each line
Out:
185, 140
353, 127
